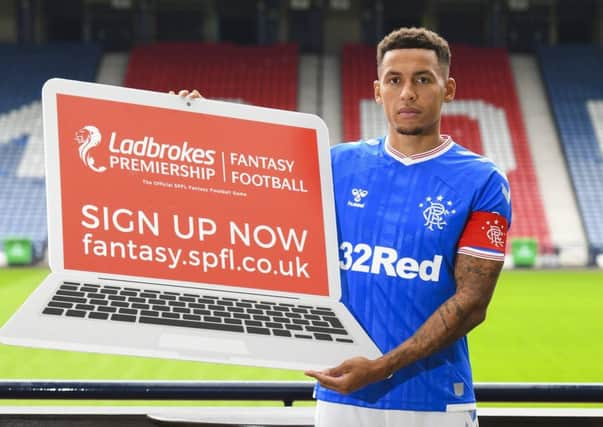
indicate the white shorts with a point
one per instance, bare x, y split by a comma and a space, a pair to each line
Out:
337, 415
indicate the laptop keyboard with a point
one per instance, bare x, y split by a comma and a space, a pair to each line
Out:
244, 315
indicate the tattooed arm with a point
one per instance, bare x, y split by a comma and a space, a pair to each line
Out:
475, 278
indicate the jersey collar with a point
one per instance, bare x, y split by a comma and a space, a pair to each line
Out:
420, 157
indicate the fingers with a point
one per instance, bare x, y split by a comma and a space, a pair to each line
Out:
333, 383
331, 372
333, 378
345, 378
313, 374
194, 94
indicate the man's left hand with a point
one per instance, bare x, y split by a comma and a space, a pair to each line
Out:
351, 375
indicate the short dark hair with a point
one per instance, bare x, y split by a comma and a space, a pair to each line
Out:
414, 38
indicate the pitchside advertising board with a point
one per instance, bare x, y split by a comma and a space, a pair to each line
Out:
181, 195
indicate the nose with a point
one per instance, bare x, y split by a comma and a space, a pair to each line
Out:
408, 92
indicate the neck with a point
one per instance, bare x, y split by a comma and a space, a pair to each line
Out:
413, 144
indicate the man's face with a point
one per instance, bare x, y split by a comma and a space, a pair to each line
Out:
412, 86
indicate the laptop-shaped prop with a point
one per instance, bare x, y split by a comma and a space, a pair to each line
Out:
188, 229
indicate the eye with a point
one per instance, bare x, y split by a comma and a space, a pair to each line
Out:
423, 80
394, 80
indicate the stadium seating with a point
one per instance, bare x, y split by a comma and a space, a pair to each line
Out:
572, 76
485, 118
23, 71
258, 75
264, 76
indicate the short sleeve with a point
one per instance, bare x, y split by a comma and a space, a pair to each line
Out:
486, 230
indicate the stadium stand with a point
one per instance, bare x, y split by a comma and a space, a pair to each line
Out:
23, 72
265, 76
572, 75
485, 118
558, 198
258, 75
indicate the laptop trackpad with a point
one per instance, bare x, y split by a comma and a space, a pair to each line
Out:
218, 345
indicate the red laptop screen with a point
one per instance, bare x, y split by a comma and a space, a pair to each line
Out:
166, 194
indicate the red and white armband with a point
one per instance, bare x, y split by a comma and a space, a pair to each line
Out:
484, 236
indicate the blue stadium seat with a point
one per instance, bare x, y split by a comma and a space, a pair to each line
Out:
23, 71
572, 76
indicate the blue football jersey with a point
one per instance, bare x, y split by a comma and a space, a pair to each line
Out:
400, 220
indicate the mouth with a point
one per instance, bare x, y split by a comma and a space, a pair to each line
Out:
408, 112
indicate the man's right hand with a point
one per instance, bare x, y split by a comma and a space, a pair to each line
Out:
188, 94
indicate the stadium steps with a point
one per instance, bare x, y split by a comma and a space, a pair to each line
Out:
576, 97
319, 91
554, 183
330, 97
485, 118
112, 68
307, 100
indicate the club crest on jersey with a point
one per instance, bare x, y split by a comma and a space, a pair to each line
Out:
357, 194
436, 211
495, 232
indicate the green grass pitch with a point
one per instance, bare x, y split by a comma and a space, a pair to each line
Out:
542, 326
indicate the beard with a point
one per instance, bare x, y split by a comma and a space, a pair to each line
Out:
411, 131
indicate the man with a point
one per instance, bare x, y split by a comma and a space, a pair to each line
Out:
444, 212
438, 213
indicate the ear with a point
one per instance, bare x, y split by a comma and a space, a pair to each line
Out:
377, 90
450, 89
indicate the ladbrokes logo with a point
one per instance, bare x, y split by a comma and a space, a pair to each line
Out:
146, 155
89, 137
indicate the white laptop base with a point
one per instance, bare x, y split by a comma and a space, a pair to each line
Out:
29, 327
